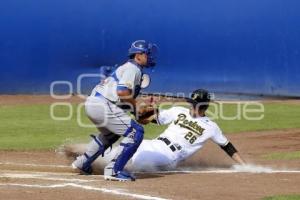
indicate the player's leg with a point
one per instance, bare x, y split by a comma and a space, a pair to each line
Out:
128, 146
98, 112
112, 153
95, 148
153, 155
119, 123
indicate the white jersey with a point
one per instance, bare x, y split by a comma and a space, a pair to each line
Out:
127, 75
187, 132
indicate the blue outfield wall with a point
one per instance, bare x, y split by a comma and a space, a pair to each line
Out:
250, 46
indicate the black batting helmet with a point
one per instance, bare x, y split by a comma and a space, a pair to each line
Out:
200, 98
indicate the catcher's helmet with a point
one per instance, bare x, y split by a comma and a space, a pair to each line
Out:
141, 46
201, 98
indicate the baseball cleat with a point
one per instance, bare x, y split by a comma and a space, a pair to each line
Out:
122, 176
87, 171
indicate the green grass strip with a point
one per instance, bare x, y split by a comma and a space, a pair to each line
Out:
31, 127
283, 197
283, 156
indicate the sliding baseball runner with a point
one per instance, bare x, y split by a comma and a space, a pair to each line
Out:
188, 130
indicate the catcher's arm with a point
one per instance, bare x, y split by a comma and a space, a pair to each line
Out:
127, 97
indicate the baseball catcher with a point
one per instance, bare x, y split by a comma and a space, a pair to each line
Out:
106, 106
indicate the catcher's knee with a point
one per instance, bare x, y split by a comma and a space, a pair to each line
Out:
98, 146
133, 138
99, 142
108, 139
95, 149
135, 132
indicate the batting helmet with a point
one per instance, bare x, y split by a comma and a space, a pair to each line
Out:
201, 97
141, 46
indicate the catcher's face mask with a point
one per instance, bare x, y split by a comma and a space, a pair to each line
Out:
152, 54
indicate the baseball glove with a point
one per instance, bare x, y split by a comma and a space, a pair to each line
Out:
146, 114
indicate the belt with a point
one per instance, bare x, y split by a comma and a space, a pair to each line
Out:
173, 147
120, 105
97, 94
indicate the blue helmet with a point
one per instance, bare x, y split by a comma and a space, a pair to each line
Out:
141, 46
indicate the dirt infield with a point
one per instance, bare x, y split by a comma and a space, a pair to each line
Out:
35, 99
207, 175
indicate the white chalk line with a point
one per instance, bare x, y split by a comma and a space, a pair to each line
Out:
71, 182
85, 187
46, 176
218, 172
48, 173
42, 177
35, 165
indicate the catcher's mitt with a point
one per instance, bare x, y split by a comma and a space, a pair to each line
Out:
146, 114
